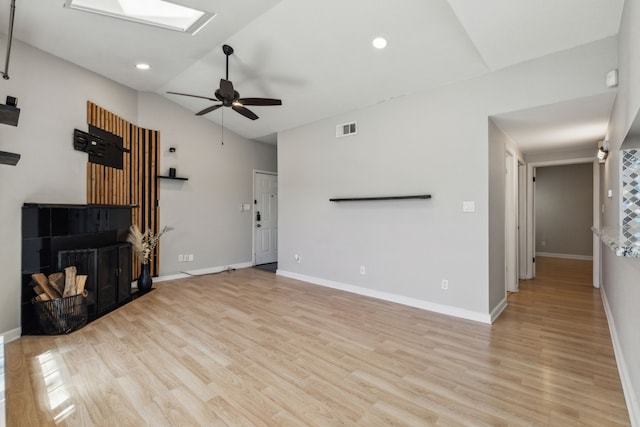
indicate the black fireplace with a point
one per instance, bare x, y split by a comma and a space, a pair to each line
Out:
90, 237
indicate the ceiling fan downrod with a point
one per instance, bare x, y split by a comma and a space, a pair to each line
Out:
5, 73
228, 51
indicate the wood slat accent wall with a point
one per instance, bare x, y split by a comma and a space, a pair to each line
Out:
136, 184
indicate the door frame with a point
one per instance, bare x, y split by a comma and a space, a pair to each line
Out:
511, 235
253, 209
522, 219
531, 231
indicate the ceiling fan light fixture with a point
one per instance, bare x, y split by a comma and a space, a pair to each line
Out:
379, 43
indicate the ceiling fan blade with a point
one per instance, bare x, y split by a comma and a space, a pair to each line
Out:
226, 89
259, 101
208, 110
194, 96
245, 112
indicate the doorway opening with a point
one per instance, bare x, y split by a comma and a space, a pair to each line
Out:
557, 227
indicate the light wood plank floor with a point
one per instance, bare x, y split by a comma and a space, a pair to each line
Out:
248, 348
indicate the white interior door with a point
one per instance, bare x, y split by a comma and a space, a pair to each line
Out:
265, 217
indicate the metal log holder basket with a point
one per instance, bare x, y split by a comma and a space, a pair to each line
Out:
62, 315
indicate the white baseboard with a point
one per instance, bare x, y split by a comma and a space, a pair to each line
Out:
411, 302
202, 271
567, 256
627, 387
170, 277
497, 311
11, 335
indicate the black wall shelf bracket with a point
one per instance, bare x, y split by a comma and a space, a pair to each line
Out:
364, 199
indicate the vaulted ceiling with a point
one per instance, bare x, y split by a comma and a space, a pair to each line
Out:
317, 55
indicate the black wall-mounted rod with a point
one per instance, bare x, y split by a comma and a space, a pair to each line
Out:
5, 73
363, 199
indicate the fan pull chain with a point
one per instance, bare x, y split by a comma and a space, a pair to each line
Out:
222, 129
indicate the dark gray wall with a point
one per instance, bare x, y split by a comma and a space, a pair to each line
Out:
564, 209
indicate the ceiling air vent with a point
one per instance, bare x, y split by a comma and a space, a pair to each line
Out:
346, 129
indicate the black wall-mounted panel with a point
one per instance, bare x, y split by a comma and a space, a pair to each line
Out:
7, 158
83, 141
9, 115
114, 148
36, 222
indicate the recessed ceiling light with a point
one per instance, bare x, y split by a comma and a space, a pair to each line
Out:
159, 13
142, 66
379, 43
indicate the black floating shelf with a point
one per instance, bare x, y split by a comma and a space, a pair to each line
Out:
179, 178
7, 158
362, 199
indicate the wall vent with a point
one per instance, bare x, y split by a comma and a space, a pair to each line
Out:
346, 129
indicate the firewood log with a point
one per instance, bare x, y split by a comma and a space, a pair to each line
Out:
80, 282
43, 282
69, 281
42, 297
56, 280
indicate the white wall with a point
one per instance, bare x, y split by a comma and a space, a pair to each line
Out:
205, 210
433, 143
52, 95
620, 282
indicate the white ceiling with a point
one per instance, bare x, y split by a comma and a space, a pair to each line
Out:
574, 124
317, 55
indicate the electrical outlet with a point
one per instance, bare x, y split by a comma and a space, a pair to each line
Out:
363, 270
445, 284
180, 258
190, 257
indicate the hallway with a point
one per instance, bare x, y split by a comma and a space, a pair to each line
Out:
560, 317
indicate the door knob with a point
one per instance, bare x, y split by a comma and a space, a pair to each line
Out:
258, 225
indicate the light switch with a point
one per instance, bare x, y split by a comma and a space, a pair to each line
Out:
612, 78
609, 193
468, 206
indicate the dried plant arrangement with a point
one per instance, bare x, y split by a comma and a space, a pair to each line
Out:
143, 244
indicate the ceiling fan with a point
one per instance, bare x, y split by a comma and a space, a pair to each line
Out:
229, 97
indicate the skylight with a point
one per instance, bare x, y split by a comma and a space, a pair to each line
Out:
158, 13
